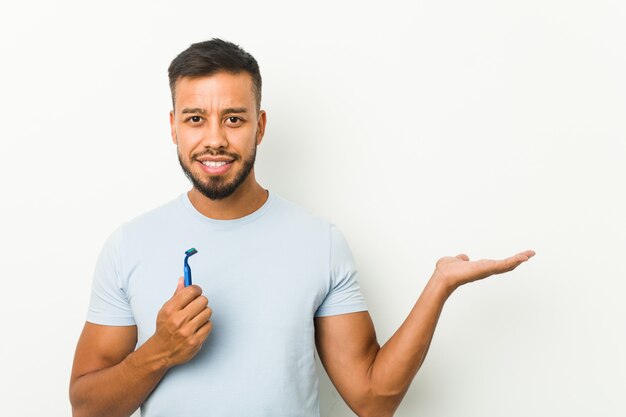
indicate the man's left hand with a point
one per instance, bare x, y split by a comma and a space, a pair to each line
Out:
455, 271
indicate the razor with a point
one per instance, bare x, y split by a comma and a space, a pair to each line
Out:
187, 268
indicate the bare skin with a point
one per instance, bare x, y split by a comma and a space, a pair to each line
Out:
373, 380
212, 114
201, 122
110, 378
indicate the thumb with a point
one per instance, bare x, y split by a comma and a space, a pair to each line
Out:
180, 285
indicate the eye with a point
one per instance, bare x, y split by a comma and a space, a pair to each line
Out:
234, 121
195, 119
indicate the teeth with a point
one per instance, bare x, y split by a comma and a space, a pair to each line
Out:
212, 164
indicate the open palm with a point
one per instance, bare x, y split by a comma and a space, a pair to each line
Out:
459, 270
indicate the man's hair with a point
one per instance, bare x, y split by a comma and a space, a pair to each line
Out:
209, 57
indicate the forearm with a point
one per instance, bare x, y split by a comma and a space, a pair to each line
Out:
119, 390
398, 361
373, 380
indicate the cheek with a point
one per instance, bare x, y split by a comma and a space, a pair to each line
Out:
243, 138
188, 138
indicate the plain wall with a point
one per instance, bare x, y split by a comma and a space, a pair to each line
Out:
422, 129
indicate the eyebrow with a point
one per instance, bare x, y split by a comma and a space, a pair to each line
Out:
235, 110
229, 110
193, 110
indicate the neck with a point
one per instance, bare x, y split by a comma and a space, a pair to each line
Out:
247, 199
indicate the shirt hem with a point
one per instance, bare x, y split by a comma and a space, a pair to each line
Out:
335, 311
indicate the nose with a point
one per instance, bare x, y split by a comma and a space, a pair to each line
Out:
214, 136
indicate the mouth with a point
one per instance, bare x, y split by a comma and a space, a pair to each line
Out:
216, 166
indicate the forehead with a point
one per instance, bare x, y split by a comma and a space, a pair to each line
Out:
222, 89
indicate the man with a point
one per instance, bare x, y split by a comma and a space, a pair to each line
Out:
281, 283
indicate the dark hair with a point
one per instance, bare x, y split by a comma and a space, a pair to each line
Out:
208, 57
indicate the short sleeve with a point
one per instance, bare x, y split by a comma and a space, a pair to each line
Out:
109, 304
345, 294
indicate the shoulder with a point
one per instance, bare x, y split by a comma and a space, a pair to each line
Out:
145, 227
148, 218
154, 219
294, 214
167, 210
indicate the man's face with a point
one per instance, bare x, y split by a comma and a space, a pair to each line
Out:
217, 128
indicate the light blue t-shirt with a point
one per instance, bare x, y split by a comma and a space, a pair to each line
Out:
266, 275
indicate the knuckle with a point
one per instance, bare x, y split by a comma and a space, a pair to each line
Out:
184, 333
207, 327
177, 321
166, 310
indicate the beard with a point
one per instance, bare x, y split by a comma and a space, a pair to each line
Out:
216, 187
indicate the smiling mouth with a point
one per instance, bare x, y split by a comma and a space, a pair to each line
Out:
216, 167
214, 164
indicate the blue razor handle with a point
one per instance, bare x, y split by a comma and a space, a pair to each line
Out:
187, 268
187, 275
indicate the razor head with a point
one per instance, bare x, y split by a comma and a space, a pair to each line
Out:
191, 251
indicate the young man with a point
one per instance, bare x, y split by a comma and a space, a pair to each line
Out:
280, 282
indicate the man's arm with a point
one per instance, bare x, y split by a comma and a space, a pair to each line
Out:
373, 380
109, 379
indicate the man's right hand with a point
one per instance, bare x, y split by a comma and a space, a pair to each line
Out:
107, 363
182, 325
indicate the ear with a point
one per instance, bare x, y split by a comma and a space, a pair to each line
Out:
262, 121
173, 128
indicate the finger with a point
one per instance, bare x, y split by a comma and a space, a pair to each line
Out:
444, 260
180, 285
196, 306
521, 257
201, 319
462, 257
527, 253
508, 264
184, 296
204, 331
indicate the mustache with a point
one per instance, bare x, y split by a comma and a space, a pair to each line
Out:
212, 152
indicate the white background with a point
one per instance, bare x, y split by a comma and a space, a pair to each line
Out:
422, 129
